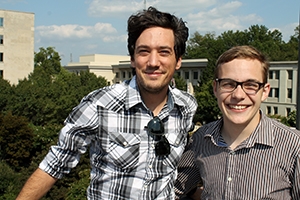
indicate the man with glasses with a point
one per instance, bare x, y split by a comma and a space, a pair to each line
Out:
243, 155
135, 131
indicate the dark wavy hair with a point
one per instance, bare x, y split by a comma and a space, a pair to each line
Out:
151, 17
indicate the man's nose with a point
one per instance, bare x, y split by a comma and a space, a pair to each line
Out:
153, 59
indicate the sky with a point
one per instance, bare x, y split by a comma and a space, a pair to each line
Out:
83, 27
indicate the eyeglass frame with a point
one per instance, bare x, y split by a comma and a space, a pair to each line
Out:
237, 83
162, 145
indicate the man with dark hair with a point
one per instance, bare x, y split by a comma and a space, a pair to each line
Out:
243, 155
135, 131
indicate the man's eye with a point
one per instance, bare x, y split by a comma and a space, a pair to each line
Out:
228, 84
165, 53
142, 51
251, 85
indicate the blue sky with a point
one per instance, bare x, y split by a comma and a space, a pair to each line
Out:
82, 27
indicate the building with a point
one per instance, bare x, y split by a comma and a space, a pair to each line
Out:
100, 64
283, 95
16, 45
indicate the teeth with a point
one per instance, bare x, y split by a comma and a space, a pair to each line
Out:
237, 107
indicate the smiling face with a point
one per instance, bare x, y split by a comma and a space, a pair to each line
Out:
154, 60
237, 107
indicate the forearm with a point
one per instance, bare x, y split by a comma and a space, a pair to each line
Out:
38, 184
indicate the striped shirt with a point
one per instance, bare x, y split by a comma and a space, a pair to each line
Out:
111, 123
264, 166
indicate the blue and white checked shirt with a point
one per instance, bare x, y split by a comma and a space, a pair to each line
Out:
111, 121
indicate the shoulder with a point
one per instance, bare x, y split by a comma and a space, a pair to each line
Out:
107, 95
284, 137
183, 98
208, 129
281, 129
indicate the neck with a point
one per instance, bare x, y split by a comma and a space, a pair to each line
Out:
235, 134
155, 101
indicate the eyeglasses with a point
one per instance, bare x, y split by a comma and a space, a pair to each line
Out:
155, 129
249, 87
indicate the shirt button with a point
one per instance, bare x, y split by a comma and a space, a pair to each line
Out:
150, 166
232, 153
229, 179
153, 147
125, 144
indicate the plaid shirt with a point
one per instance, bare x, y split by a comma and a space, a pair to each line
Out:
111, 123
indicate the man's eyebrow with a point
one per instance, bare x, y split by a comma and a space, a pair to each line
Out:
160, 47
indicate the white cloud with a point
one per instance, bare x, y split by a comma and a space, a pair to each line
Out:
73, 31
99, 8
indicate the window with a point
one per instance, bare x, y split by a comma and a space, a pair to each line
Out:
123, 74
117, 74
276, 92
1, 21
271, 92
289, 93
268, 110
288, 111
274, 74
270, 74
187, 75
1, 57
1, 73
275, 110
290, 74
1, 39
178, 74
196, 76
129, 74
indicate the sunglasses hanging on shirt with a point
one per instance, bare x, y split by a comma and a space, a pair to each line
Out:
155, 129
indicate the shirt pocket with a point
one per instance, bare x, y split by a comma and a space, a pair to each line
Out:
177, 142
124, 150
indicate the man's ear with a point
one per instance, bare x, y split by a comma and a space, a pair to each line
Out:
214, 84
132, 62
266, 91
178, 64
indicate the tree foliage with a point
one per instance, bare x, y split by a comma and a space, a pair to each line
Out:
16, 139
50, 92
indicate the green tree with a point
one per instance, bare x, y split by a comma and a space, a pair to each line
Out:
46, 98
48, 59
16, 139
11, 182
208, 109
180, 83
5, 94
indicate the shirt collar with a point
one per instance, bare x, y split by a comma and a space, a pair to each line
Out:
263, 133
